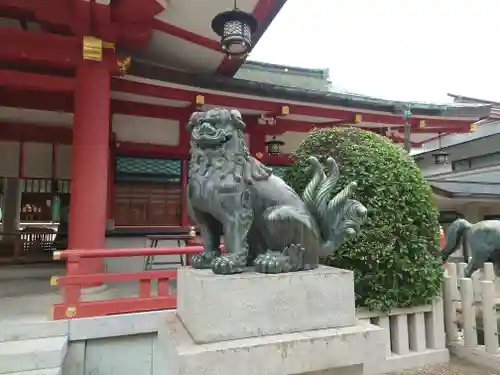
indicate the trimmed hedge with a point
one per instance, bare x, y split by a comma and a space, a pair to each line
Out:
396, 258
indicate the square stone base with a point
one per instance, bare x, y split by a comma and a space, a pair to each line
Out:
226, 307
345, 349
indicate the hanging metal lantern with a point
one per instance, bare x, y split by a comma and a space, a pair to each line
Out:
235, 29
441, 158
273, 146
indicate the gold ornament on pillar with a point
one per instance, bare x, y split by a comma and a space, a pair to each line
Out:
124, 64
92, 48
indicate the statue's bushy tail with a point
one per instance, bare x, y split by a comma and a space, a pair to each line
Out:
296, 221
454, 235
339, 217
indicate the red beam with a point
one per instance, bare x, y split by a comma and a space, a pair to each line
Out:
282, 159
127, 252
36, 82
86, 279
23, 132
126, 107
228, 99
47, 50
186, 35
58, 12
146, 149
443, 129
136, 12
398, 139
61, 102
126, 21
115, 306
39, 48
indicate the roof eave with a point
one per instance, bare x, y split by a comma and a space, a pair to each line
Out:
208, 81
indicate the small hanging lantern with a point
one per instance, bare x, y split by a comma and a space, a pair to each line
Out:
440, 157
235, 29
273, 146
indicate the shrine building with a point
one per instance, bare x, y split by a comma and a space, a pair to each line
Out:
95, 97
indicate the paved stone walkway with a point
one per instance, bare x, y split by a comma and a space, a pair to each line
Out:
455, 367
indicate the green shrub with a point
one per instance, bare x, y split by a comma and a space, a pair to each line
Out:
396, 258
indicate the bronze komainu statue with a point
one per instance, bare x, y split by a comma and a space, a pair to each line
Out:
480, 241
264, 222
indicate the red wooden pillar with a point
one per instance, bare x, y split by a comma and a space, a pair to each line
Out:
90, 161
257, 140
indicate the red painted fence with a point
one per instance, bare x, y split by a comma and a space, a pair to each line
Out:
73, 307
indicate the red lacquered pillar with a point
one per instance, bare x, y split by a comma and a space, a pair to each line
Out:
90, 162
257, 140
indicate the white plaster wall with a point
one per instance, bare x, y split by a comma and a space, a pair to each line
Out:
37, 161
9, 158
477, 147
292, 140
63, 162
146, 130
429, 168
475, 212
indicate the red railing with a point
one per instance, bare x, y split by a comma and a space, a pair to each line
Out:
73, 307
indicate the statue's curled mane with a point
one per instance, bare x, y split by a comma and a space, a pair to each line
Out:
233, 158
247, 167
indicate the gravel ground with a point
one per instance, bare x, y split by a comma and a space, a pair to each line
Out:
455, 367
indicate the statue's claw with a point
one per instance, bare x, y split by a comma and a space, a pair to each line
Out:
204, 260
292, 259
270, 263
228, 264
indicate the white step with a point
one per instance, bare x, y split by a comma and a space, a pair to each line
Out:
45, 371
34, 354
31, 328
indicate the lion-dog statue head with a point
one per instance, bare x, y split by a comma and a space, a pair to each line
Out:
218, 144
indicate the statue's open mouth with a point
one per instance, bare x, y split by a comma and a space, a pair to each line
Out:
206, 136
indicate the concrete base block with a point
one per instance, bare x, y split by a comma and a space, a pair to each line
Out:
226, 307
318, 352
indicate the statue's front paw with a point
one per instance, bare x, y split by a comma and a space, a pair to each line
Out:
228, 264
270, 263
203, 260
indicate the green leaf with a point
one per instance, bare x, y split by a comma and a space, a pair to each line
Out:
395, 259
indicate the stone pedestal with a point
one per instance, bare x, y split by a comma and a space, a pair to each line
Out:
254, 324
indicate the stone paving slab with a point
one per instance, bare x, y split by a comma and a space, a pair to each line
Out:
455, 367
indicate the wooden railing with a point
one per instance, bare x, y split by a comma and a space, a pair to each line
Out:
72, 305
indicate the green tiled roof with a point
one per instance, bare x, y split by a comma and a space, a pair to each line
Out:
313, 79
148, 167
